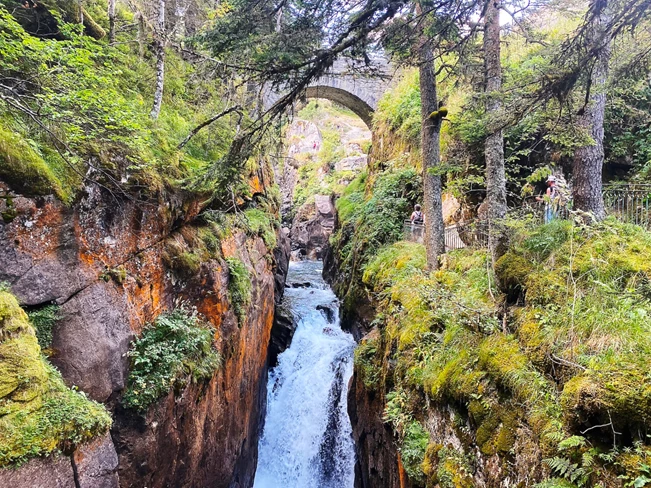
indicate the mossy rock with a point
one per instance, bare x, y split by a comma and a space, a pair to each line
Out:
23, 169
39, 414
545, 287
622, 394
512, 271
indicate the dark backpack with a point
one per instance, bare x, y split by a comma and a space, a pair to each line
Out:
418, 219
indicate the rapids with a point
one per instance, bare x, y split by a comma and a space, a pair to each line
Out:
306, 442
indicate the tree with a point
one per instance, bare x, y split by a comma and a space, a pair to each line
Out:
111, 16
589, 159
431, 155
159, 49
494, 144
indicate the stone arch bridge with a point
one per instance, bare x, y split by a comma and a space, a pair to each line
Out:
346, 86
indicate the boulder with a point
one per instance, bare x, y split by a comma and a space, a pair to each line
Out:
96, 464
282, 333
312, 227
352, 163
50, 472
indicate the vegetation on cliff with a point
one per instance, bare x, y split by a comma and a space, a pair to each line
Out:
556, 360
177, 348
39, 414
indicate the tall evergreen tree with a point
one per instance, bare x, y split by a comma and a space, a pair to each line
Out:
494, 144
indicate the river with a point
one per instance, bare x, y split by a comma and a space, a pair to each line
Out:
307, 442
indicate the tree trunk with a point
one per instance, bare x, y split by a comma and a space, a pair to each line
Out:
180, 11
159, 48
494, 144
141, 34
111, 16
589, 160
430, 143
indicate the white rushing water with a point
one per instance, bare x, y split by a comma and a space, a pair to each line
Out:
307, 440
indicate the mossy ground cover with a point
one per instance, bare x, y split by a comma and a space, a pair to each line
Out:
39, 414
561, 348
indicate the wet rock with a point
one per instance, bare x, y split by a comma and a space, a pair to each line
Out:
327, 312
281, 258
51, 472
377, 461
312, 227
302, 284
96, 464
282, 333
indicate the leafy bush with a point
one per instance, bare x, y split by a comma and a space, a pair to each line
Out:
239, 287
44, 319
176, 348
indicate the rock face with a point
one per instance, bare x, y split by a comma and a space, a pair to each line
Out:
91, 466
352, 163
103, 261
378, 462
312, 227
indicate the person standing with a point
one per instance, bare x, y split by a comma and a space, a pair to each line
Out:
551, 199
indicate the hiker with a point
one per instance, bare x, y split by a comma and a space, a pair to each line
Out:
417, 216
551, 199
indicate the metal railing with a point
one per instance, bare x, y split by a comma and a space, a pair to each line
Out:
457, 236
628, 203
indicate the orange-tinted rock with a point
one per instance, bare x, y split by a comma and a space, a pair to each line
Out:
205, 435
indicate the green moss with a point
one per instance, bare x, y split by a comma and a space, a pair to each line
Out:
118, 274
38, 413
454, 469
368, 363
262, 224
239, 287
185, 263
512, 271
25, 170
176, 349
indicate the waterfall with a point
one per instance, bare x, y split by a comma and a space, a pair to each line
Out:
307, 440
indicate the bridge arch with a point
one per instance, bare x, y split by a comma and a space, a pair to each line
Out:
343, 97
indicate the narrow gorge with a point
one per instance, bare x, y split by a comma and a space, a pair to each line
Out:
330, 244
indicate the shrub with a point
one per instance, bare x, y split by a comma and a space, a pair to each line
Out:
175, 349
44, 319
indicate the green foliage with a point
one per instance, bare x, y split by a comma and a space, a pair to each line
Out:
175, 349
262, 224
368, 363
239, 287
43, 320
412, 450
91, 102
368, 223
39, 414
399, 109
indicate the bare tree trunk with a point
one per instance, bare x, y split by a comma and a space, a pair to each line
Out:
180, 11
589, 160
494, 144
159, 48
111, 16
430, 143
